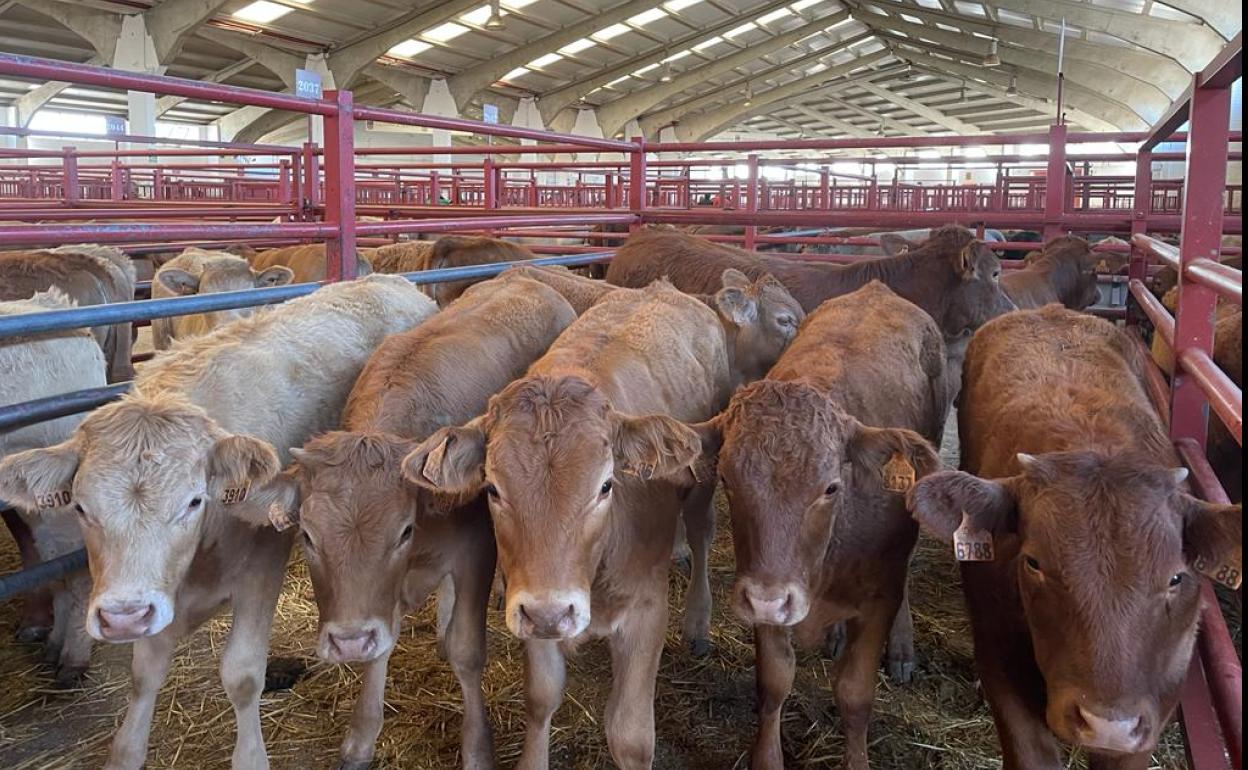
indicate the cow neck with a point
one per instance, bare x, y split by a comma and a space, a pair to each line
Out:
1063, 274
814, 282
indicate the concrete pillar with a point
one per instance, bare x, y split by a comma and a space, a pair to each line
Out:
136, 52
440, 102
318, 63
528, 116
8, 119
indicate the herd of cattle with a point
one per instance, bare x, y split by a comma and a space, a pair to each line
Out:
572, 430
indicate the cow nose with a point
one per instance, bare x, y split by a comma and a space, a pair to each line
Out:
1117, 733
768, 606
554, 620
355, 645
130, 620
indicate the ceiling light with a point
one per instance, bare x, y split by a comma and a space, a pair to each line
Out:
907, 75
261, 12
680, 5
993, 59
444, 32
741, 30
495, 22
1012, 90
409, 48
962, 98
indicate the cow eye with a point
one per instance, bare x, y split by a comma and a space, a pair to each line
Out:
1032, 564
78, 509
196, 502
492, 491
832, 489
606, 487
786, 320
1176, 580
996, 275
406, 534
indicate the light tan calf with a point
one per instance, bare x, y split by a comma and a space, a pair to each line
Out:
376, 545
169, 485
583, 462
196, 271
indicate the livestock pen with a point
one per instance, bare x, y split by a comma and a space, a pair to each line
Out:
704, 706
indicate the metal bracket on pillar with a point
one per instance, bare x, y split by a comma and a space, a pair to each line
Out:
340, 186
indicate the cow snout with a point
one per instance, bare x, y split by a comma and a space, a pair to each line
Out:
559, 616
770, 605
347, 645
126, 621
1115, 731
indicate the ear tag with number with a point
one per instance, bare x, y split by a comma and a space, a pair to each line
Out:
280, 518
899, 474
57, 499
971, 544
235, 495
1226, 574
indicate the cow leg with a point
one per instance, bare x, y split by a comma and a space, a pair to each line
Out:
148, 669
1026, 742
699, 516
545, 675
366, 716
445, 606
37, 614
855, 684
774, 665
75, 652
636, 646
465, 638
902, 660
243, 661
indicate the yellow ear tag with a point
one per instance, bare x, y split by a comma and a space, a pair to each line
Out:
235, 495
1225, 574
899, 474
970, 544
57, 499
280, 519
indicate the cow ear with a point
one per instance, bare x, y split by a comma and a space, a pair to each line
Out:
40, 479
895, 457
237, 463
451, 461
284, 497
737, 304
734, 278
1213, 539
178, 281
965, 261
893, 244
655, 446
940, 501
278, 275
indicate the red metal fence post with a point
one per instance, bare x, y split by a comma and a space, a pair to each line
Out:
73, 192
1142, 204
1055, 182
340, 186
751, 199
637, 180
311, 177
283, 181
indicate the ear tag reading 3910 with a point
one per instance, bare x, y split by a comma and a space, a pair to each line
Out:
235, 495
970, 544
57, 499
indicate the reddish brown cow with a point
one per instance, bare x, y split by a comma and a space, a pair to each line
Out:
307, 261
377, 546
463, 250
583, 461
817, 499
1084, 621
951, 275
1065, 271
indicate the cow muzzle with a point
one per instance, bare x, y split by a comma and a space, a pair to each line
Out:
354, 642
1111, 729
126, 619
770, 604
556, 615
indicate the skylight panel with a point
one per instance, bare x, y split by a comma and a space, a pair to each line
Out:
545, 60
478, 16
409, 48
775, 15
644, 70
517, 72
705, 44
680, 5
444, 32
262, 12
970, 9
646, 17
516, 5
615, 30
617, 81
911, 19
802, 5
677, 56
576, 46
741, 30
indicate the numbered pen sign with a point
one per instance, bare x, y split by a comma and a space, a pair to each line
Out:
114, 125
489, 113
57, 499
971, 544
307, 84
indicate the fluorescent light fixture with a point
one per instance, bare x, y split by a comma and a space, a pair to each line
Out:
802, 5
680, 5
545, 60
645, 17
444, 32
615, 30
705, 44
741, 30
576, 46
929, 154
261, 12
477, 16
776, 15
678, 56
517, 72
409, 48
644, 70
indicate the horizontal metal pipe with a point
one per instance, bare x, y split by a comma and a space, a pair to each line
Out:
183, 212
881, 142
1156, 312
400, 117
489, 222
38, 235
29, 579
1225, 397
1159, 250
1225, 280
223, 148
50, 408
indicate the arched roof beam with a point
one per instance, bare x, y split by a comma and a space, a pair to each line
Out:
919, 108
33, 100
1225, 17
166, 103
171, 22
841, 126
348, 61
275, 60
99, 28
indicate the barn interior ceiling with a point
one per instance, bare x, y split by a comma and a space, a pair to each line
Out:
692, 69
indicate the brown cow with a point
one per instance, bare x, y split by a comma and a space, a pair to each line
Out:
464, 250
307, 261
402, 257
1065, 271
89, 275
815, 460
375, 545
1084, 621
583, 461
951, 275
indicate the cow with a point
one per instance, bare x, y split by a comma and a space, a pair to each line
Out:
815, 460
463, 250
890, 243
169, 486
402, 257
758, 320
1021, 236
89, 275
197, 271
1079, 549
374, 544
1064, 271
41, 366
584, 461
307, 261
952, 276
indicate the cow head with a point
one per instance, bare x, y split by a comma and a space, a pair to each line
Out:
1102, 550
972, 274
146, 478
764, 318
359, 523
221, 272
557, 464
792, 463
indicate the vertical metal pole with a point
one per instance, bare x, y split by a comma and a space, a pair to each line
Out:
73, 193
825, 189
435, 187
1201, 236
311, 177
158, 184
283, 181
1142, 202
608, 190
340, 186
1055, 182
751, 199
637, 180
117, 183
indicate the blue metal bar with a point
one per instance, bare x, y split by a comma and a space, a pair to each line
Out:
24, 581
60, 405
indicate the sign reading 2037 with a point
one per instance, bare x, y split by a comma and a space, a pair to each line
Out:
307, 84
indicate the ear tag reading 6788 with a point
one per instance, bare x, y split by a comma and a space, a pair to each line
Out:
971, 544
1226, 574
